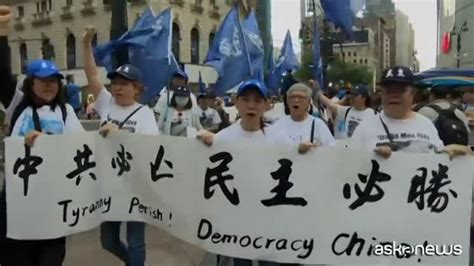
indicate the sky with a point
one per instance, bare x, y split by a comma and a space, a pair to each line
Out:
286, 15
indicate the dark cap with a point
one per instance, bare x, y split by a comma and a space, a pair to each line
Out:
360, 90
397, 74
253, 84
182, 91
126, 71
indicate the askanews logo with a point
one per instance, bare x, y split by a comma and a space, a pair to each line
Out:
405, 250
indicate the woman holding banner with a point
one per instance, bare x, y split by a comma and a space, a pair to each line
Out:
251, 103
41, 110
119, 110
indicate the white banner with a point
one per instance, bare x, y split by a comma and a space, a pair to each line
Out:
332, 205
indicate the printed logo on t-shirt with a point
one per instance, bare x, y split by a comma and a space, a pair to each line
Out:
408, 142
129, 125
351, 126
48, 126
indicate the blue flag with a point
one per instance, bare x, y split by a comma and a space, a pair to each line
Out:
339, 12
152, 34
228, 54
103, 54
317, 60
287, 62
254, 45
202, 86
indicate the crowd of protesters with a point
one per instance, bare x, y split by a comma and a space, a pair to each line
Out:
302, 115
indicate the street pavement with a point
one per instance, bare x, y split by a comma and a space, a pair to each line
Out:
162, 250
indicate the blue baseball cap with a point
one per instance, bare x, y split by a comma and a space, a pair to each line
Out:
126, 71
43, 69
360, 90
253, 84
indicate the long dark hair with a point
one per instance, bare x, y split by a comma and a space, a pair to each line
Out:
28, 99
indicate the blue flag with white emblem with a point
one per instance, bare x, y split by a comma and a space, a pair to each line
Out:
254, 44
228, 54
339, 12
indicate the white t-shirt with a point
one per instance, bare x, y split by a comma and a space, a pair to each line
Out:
277, 112
297, 132
208, 117
160, 107
143, 121
51, 121
416, 134
344, 127
233, 112
236, 132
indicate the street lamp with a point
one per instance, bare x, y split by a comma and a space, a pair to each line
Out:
459, 33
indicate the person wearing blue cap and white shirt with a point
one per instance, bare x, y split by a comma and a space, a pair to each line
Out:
299, 127
119, 110
41, 110
251, 102
349, 117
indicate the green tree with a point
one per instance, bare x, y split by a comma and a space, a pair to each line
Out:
348, 72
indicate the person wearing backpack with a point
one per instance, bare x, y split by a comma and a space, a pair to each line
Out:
41, 110
451, 123
119, 110
349, 117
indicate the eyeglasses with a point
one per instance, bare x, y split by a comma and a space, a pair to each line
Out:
297, 97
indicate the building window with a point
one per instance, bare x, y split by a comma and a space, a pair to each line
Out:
47, 50
194, 46
176, 41
213, 2
23, 57
366, 61
71, 51
355, 54
355, 61
21, 11
106, 2
349, 54
212, 35
68, 2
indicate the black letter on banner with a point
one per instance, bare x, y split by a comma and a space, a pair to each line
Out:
220, 179
122, 161
64, 203
155, 167
366, 195
135, 202
209, 229
29, 164
348, 250
283, 176
437, 201
82, 164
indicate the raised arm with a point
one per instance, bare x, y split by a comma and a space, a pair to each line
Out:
90, 68
322, 98
7, 81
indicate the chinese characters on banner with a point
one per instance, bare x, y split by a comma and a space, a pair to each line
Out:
251, 201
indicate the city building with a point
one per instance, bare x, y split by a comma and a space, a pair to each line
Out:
362, 51
404, 39
455, 29
53, 30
